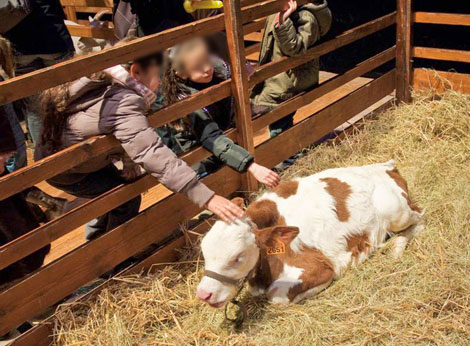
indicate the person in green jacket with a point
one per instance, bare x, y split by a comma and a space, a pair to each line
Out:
289, 33
191, 68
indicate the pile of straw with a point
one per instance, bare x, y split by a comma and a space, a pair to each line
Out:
421, 298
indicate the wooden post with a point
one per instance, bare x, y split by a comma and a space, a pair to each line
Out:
404, 49
71, 13
240, 88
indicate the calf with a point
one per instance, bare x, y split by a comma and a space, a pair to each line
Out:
299, 237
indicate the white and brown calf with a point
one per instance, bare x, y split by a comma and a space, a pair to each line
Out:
304, 234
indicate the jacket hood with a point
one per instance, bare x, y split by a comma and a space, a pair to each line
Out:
84, 93
321, 12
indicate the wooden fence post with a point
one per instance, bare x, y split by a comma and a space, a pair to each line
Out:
240, 87
404, 50
71, 13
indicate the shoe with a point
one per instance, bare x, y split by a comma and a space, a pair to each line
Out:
55, 206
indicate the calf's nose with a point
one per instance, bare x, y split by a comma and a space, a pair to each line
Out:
203, 295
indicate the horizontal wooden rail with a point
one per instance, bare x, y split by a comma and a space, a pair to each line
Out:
52, 283
90, 31
92, 3
41, 334
44, 235
97, 146
441, 54
283, 64
442, 18
440, 80
36, 239
325, 121
303, 99
34, 82
252, 49
336, 114
21, 301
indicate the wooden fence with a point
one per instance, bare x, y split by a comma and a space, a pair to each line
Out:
57, 280
439, 80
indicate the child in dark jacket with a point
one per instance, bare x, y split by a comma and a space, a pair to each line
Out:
191, 68
290, 33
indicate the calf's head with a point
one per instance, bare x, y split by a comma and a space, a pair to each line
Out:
230, 251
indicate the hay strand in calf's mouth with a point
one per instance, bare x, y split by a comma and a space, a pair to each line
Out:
421, 298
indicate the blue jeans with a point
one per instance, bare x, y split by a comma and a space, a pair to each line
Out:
18, 160
95, 184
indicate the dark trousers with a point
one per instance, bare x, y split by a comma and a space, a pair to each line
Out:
281, 125
95, 184
16, 219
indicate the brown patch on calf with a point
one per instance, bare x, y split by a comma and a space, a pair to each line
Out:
358, 243
317, 268
264, 213
287, 189
402, 184
340, 192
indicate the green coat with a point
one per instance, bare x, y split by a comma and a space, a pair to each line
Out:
294, 37
207, 126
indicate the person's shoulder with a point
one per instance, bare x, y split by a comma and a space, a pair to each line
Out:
126, 96
124, 101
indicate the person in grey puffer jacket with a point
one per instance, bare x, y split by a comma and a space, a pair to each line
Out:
116, 102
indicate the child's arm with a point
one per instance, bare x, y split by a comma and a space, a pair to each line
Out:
213, 139
296, 39
145, 147
233, 155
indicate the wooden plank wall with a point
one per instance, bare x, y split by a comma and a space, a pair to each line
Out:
50, 284
440, 80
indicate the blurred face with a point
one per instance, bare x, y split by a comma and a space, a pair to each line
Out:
150, 76
197, 64
229, 250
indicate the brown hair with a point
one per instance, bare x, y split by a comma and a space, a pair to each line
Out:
54, 102
174, 87
7, 61
53, 105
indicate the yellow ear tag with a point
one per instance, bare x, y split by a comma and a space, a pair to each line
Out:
277, 249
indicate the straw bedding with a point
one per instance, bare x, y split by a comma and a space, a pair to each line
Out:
422, 298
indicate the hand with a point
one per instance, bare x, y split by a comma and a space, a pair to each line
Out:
224, 209
3, 160
290, 7
130, 172
264, 175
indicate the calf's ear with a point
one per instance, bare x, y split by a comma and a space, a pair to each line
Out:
267, 236
285, 233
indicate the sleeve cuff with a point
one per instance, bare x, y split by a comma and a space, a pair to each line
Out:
197, 192
285, 30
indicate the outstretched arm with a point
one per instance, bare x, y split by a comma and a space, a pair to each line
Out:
296, 39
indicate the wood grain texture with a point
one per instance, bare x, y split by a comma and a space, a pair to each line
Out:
442, 18
322, 123
280, 65
298, 101
240, 90
42, 334
441, 54
96, 146
404, 50
89, 31
441, 80
48, 285
47, 233
34, 82
88, 3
